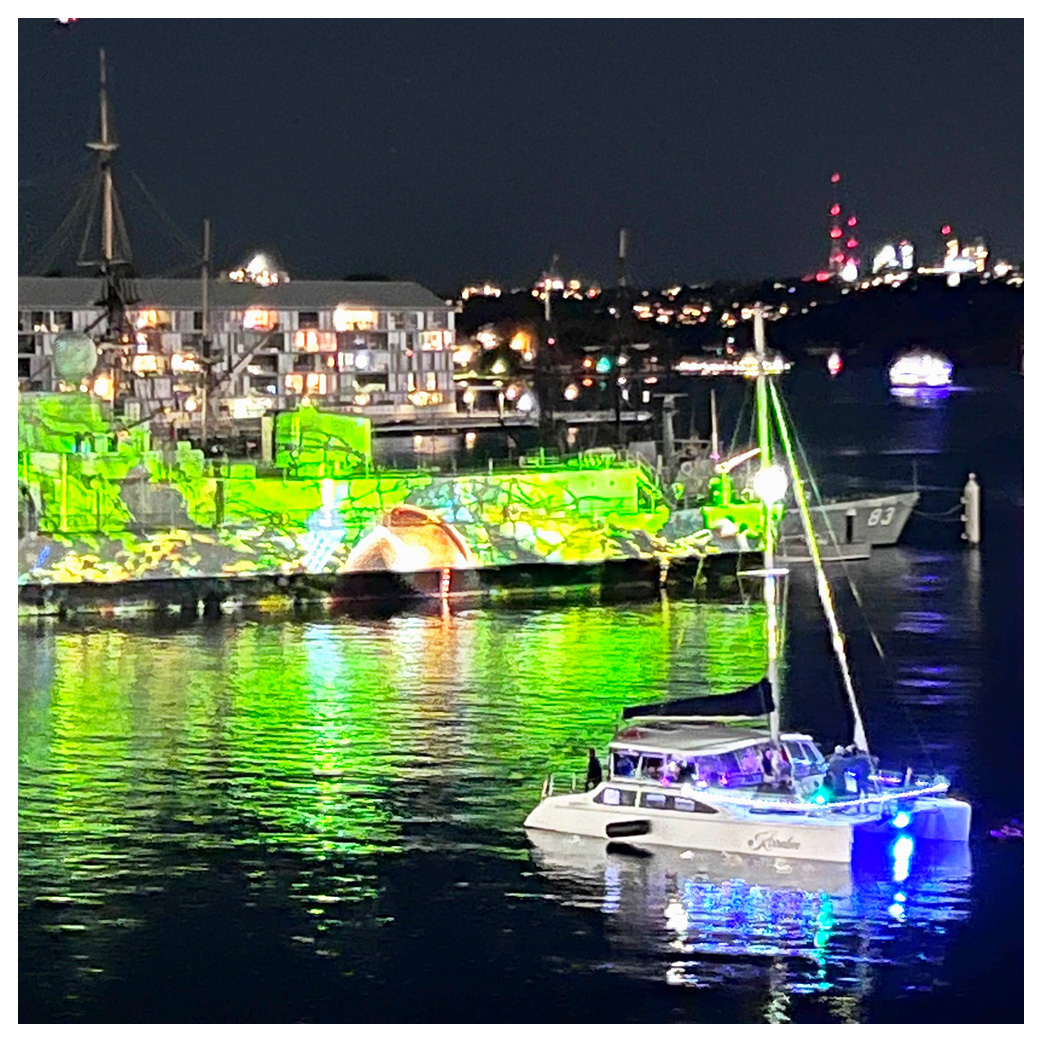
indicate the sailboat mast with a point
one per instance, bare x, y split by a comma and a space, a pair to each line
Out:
769, 586
822, 585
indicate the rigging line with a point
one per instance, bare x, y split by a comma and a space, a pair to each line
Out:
837, 637
121, 229
96, 192
60, 237
67, 177
181, 240
859, 602
833, 536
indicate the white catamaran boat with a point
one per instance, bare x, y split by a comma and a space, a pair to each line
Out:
715, 773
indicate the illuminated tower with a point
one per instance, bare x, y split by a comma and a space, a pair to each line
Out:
842, 262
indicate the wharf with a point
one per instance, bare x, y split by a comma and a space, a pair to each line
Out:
454, 423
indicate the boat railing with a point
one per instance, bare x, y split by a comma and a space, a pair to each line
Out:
549, 785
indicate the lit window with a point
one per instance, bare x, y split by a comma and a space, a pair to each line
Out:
143, 364
434, 340
354, 319
295, 383
315, 340
259, 319
429, 382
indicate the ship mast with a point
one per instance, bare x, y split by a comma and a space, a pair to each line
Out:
769, 586
108, 264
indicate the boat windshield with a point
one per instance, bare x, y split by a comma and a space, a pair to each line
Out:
734, 768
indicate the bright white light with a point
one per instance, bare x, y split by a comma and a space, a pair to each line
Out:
921, 370
850, 273
571, 392
886, 257
770, 484
953, 279
526, 402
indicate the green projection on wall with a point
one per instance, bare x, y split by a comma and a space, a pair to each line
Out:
105, 508
307, 438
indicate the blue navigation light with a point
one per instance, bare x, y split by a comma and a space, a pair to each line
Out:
901, 852
901, 820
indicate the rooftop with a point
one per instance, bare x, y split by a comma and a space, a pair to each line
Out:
312, 295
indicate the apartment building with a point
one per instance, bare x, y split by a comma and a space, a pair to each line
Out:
378, 347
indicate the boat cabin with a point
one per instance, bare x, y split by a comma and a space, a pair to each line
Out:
705, 754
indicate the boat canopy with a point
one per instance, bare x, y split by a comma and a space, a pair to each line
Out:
752, 702
694, 738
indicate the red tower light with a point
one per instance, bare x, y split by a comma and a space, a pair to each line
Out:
946, 230
835, 178
852, 243
852, 222
835, 233
835, 210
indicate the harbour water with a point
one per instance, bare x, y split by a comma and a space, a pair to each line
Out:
316, 818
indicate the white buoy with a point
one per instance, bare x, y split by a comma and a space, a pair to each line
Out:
971, 499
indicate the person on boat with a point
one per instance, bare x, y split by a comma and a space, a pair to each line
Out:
594, 769
768, 770
834, 779
784, 770
861, 766
772, 770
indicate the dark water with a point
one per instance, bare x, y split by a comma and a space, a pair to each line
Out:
317, 818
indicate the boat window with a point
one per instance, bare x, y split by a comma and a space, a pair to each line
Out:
651, 766
623, 762
675, 802
815, 757
615, 796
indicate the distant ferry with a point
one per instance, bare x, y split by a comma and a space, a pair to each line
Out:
920, 369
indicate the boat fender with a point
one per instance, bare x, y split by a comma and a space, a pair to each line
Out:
628, 828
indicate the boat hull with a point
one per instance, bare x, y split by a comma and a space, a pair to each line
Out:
929, 819
742, 833
873, 521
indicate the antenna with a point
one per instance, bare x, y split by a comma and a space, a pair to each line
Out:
621, 262
843, 239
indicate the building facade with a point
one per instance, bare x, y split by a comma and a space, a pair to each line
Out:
378, 347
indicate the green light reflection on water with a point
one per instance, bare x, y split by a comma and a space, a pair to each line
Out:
334, 735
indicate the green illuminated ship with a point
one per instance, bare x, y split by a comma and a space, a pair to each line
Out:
103, 512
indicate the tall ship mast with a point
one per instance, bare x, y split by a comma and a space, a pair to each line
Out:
113, 263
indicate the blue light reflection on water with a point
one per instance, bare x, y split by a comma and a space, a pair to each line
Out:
163, 839
790, 929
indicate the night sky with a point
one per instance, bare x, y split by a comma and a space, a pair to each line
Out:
453, 150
